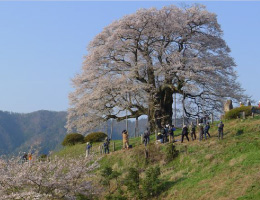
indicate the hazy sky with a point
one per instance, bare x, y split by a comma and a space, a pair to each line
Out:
42, 45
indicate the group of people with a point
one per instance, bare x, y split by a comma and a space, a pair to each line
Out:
203, 131
27, 158
105, 146
165, 135
167, 132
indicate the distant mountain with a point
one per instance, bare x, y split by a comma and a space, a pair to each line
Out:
45, 129
18, 132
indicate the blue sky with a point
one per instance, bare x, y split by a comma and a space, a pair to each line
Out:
42, 45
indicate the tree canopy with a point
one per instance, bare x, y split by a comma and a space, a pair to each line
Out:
138, 62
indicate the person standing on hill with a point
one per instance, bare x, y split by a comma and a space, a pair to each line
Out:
106, 145
201, 131
220, 130
166, 132
30, 159
88, 147
192, 133
125, 139
248, 102
207, 127
259, 104
146, 136
25, 157
163, 133
184, 133
171, 133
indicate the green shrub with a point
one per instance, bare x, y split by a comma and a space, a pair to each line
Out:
43, 157
132, 181
236, 112
151, 182
171, 153
72, 139
95, 137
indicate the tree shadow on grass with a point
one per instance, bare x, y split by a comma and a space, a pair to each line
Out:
239, 132
166, 185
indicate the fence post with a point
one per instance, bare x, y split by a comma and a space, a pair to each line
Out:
142, 138
100, 149
186, 149
114, 146
244, 114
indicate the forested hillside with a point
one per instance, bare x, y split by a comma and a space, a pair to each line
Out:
45, 129
18, 132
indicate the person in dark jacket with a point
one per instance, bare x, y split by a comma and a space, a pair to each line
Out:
207, 127
163, 134
220, 130
88, 147
106, 145
192, 133
171, 133
146, 136
184, 133
166, 132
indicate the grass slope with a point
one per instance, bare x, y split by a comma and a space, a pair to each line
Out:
211, 169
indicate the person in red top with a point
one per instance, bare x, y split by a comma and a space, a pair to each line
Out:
259, 104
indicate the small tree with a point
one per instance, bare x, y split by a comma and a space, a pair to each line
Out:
95, 137
108, 174
132, 181
72, 139
151, 182
236, 112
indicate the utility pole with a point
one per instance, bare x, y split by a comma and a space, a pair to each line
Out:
111, 129
183, 115
136, 126
126, 122
175, 109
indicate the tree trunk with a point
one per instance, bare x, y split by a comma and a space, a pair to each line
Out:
155, 112
166, 105
160, 110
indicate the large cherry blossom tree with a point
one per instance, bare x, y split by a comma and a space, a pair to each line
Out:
138, 62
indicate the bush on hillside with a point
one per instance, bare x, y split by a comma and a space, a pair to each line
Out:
171, 153
151, 182
95, 137
236, 112
72, 139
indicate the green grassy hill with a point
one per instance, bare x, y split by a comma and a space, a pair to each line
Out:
211, 169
